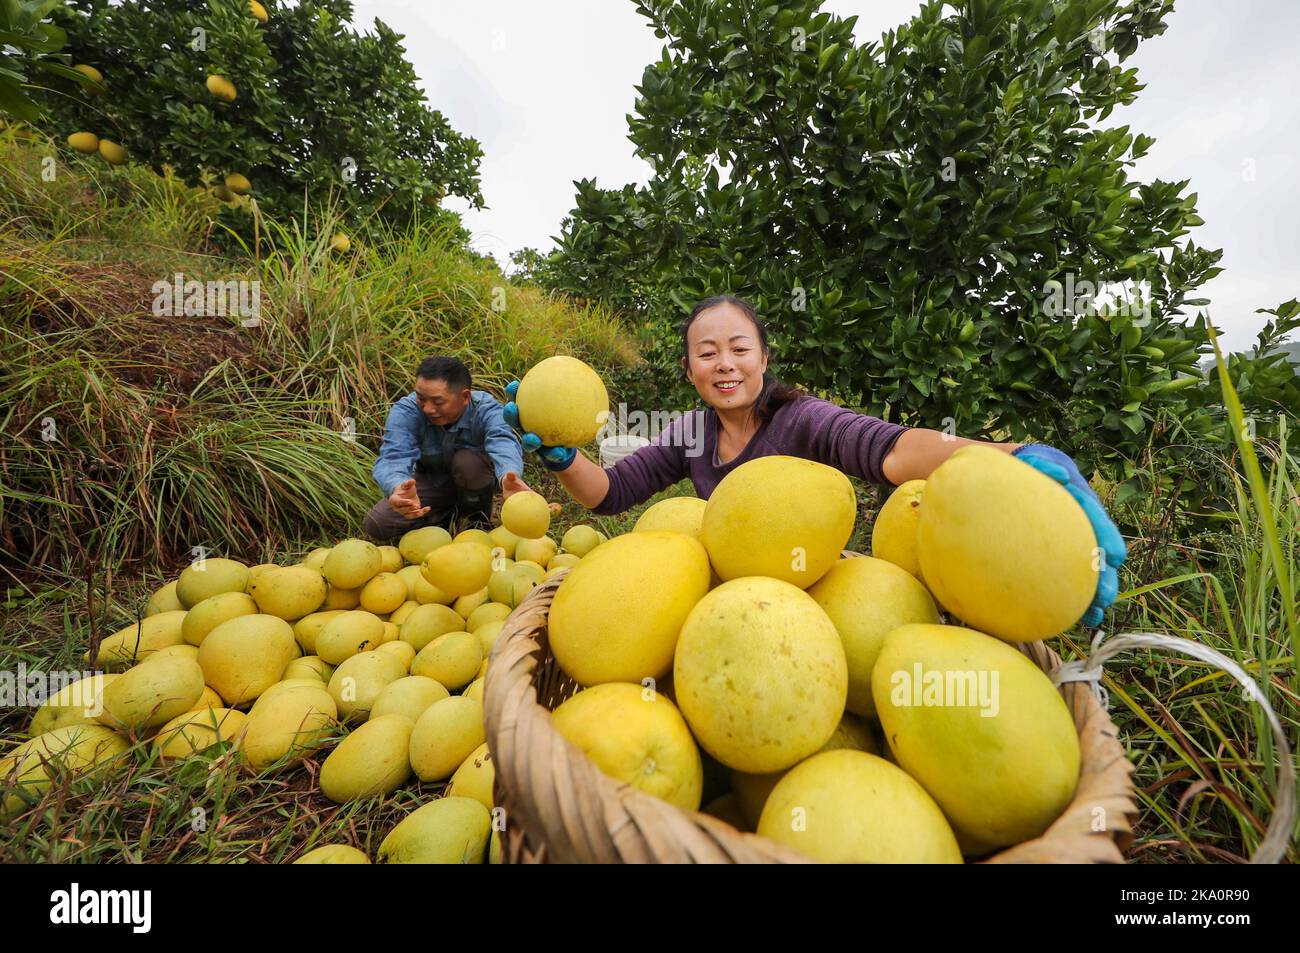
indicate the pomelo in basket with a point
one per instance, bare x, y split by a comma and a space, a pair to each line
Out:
563, 401
893, 535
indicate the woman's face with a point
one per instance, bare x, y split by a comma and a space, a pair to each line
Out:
725, 360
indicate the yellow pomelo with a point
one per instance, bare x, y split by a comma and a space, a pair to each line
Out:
893, 535
488, 612
408, 696
316, 558
208, 578
416, 545
636, 736
111, 152
260, 15
333, 854
164, 600
209, 699
1005, 548
475, 688
390, 559
347, 634
617, 615
400, 614
89, 72
77, 703
352, 563
392, 632
429, 622
458, 569
783, 517
308, 666
85, 142
537, 551
849, 807
194, 731
286, 685
187, 651
510, 586
426, 593
980, 726
404, 651
137, 642
506, 540
294, 722
213, 611
759, 673
475, 777
336, 598
289, 593
452, 659
475, 535
561, 561
371, 760
487, 636
306, 629
222, 88
255, 571
580, 540
76, 749
445, 734
383, 594
677, 514
465, 605
563, 401
151, 694
340, 243
358, 682
450, 830
867, 599
526, 515
494, 847
244, 656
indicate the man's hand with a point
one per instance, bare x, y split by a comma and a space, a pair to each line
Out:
511, 484
406, 501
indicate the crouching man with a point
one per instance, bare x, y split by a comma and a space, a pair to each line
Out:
447, 450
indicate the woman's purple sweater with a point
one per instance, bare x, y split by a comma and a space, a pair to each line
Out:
807, 427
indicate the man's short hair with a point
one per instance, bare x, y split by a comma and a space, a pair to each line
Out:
449, 369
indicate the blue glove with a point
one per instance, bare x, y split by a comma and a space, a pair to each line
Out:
554, 459
1062, 469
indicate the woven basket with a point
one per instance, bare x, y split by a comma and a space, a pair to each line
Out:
560, 808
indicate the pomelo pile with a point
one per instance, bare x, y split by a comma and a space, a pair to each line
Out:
384, 645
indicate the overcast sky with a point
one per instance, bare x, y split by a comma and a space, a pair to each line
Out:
546, 85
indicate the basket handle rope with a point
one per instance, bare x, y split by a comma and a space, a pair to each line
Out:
1272, 848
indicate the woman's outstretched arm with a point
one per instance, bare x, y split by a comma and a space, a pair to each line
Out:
918, 451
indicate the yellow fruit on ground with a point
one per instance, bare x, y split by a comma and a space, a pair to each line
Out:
867, 599
893, 535
618, 613
358, 682
306, 629
452, 659
333, 854
187, 651
285, 685
677, 514
426, 593
458, 569
74, 704
137, 642
308, 666
349, 633
403, 651
164, 600
487, 636
260, 15
238, 183
352, 563
244, 656
111, 152
402, 612
85, 142
289, 593
510, 586
213, 611
475, 535
505, 540
635, 736
392, 560
209, 577
222, 88
408, 696
475, 777
371, 760
77, 749
336, 598
445, 735
209, 699
848, 807
416, 545
195, 731
783, 517
316, 558
392, 633
295, 722
151, 694
759, 674
428, 622
487, 612
539, 551
562, 561
580, 540
340, 243
980, 726
563, 401
255, 571
526, 515
1004, 547
475, 688
465, 605
450, 830
383, 594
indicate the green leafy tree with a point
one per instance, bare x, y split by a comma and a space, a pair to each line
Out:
925, 221
27, 45
320, 110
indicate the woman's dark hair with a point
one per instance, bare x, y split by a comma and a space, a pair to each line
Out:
443, 368
774, 393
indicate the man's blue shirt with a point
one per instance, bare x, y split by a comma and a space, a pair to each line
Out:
409, 437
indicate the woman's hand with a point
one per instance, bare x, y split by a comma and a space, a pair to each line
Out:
513, 484
554, 459
1062, 469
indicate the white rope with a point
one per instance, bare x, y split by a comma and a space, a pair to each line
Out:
1272, 848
